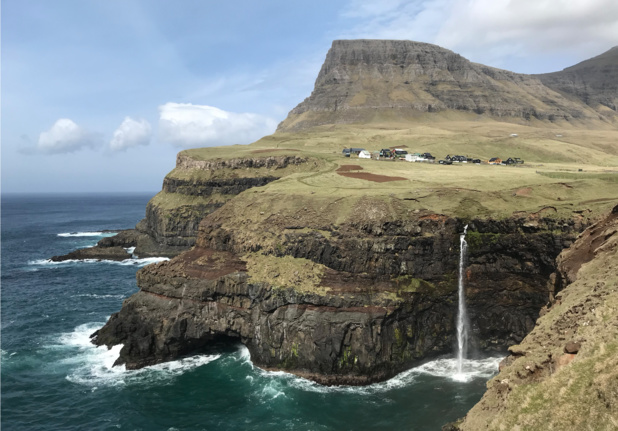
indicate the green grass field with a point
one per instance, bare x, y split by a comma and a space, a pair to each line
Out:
566, 168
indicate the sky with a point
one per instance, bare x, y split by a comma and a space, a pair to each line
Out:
100, 95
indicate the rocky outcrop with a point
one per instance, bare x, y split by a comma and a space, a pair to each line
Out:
364, 80
196, 188
96, 253
384, 298
564, 374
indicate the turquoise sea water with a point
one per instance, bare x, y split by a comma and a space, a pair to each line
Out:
54, 379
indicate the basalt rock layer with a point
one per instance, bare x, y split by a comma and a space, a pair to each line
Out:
372, 80
384, 296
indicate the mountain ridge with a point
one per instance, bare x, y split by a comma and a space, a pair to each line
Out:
364, 79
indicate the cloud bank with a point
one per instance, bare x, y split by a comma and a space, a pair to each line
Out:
189, 126
492, 31
131, 133
65, 137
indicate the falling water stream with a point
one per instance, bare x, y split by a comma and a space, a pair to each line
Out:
462, 317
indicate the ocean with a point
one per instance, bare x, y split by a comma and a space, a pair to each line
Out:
54, 379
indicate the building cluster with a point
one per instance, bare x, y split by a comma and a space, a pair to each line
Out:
401, 154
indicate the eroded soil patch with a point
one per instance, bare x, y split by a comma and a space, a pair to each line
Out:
371, 177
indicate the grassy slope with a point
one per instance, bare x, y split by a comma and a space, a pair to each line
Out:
541, 390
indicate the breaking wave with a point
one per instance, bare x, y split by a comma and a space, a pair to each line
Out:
92, 366
127, 262
82, 234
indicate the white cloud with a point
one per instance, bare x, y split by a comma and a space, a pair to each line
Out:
64, 137
189, 126
131, 133
503, 33
536, 26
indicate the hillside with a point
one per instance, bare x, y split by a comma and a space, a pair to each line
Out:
564, 374
594, 81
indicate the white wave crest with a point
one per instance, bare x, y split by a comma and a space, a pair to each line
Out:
127, 262
92, 366
96, 296
80, 234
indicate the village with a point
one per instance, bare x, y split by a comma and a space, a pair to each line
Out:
394, 154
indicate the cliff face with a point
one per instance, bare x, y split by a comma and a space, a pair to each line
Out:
594, 81
352, 304
564, 374
196, 188
367, 80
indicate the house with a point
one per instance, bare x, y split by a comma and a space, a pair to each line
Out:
495, 161
364, 154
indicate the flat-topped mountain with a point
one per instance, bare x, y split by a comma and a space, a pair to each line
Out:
376, 80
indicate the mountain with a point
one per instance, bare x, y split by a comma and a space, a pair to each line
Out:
367, 80
594, 81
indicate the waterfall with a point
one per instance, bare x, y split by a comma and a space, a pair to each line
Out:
462, 317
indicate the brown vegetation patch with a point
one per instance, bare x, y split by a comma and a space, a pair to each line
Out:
209, 264
434, 217
268, 150
371, 177
348, 168
524, 192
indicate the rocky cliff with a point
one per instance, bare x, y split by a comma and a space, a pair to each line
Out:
371, 80
349, 303
594, 81
564, 374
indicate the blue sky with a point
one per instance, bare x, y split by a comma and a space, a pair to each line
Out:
100, 95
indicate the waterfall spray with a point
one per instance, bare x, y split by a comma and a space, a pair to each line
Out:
462, 318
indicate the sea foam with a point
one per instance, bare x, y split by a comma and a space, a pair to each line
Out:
445, 368
127, 262
90, 365
81, 234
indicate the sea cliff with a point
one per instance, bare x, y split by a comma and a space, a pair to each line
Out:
348, 304
345, 272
